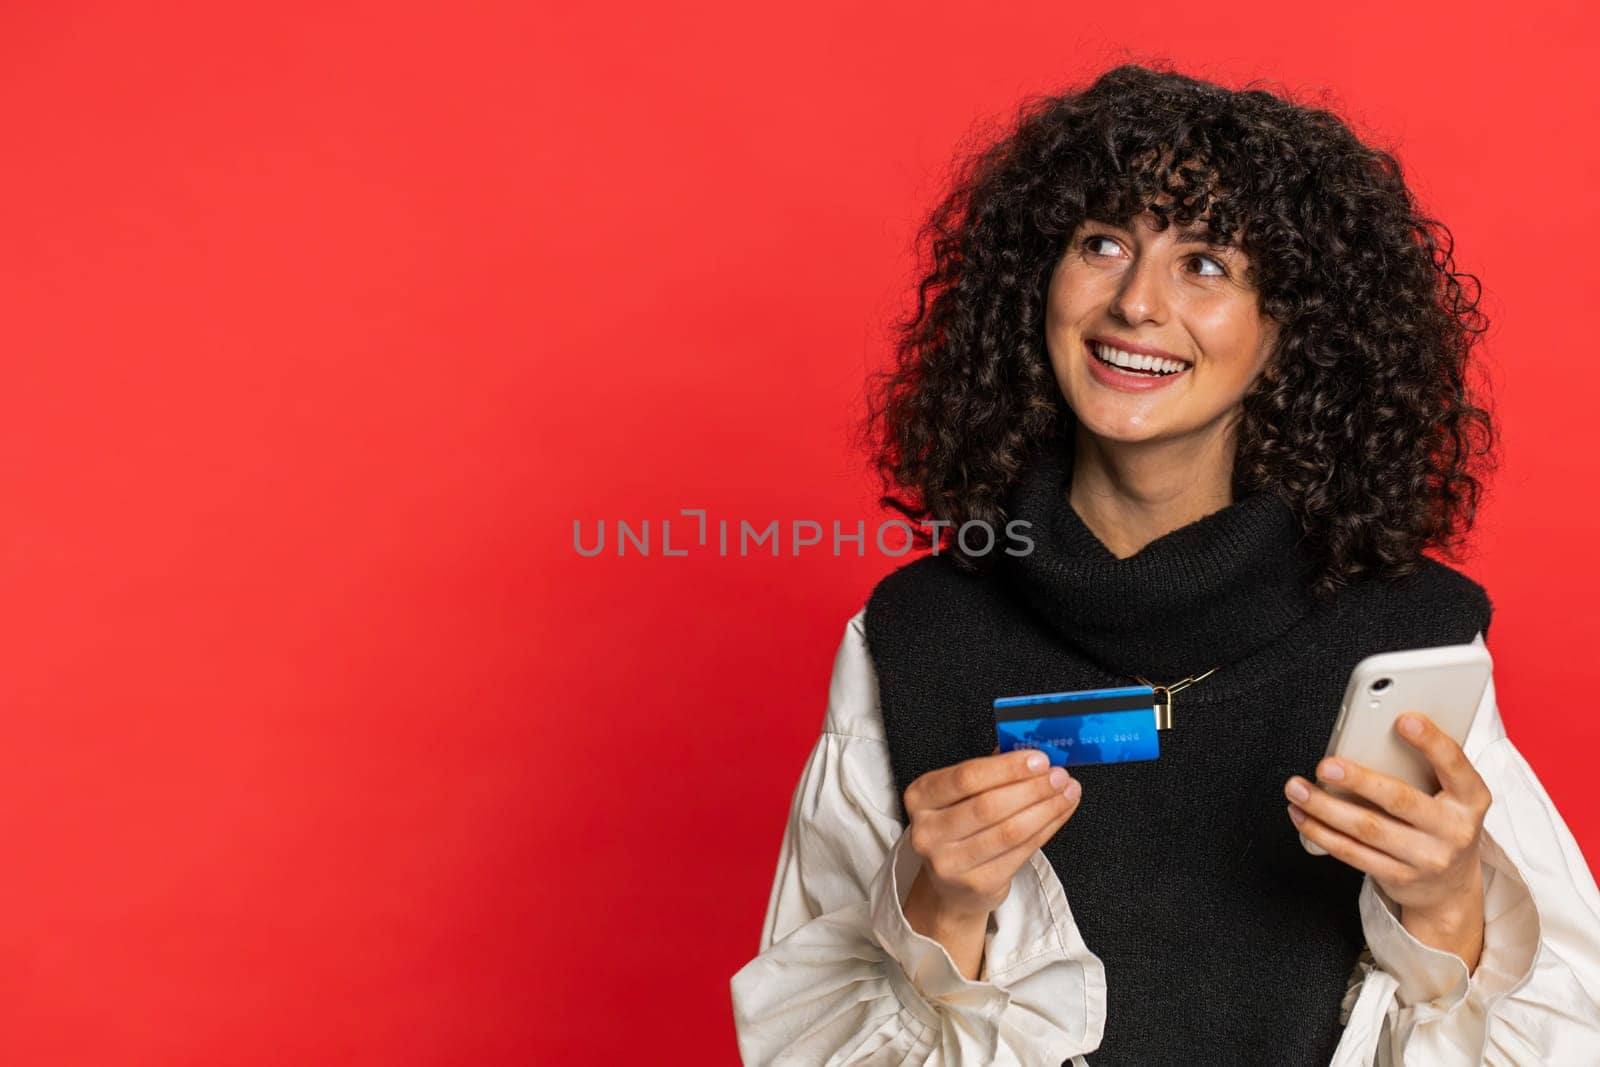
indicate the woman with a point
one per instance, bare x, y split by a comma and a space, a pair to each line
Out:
1204, 345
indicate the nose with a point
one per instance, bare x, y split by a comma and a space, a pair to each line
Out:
1142, 297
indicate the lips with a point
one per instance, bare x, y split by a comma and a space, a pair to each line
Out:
1126, 380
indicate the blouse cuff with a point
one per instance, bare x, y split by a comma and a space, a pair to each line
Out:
1041, 995
1436, 981
925, 962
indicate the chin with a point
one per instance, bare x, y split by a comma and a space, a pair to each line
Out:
1124, 427
1125, 436
1122, 431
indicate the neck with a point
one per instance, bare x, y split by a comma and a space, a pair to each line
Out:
1130, 493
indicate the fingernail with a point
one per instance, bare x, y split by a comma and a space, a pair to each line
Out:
1410, 725
1331, 771
1038, 761
1297, 815
1298, 791
1058, 778
1072, 790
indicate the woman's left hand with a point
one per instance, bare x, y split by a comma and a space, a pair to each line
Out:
1424, 851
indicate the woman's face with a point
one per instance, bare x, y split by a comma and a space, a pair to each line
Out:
1154, 292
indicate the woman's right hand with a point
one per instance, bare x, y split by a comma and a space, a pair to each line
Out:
976, 823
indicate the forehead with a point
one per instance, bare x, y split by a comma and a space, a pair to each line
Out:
1194, 190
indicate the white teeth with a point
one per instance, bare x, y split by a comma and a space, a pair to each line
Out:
1137, 362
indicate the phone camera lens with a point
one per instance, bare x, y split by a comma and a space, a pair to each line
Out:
1380, 685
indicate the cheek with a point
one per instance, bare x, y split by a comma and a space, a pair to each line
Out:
1064, 310
1235, 339
1073, 293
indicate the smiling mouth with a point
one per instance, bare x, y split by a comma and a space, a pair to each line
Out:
1129, 363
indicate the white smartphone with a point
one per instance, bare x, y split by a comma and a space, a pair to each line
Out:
1445, 683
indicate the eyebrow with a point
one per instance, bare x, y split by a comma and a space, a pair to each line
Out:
1198, 234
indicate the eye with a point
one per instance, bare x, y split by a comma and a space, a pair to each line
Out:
1088, 242
1221, 271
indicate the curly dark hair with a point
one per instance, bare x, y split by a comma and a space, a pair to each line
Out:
1363, 420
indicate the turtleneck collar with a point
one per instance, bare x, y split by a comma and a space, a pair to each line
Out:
1204, 595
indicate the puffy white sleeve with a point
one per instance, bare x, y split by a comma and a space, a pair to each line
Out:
1534, 997
842, 978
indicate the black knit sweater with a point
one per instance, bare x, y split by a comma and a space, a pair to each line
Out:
1223, 940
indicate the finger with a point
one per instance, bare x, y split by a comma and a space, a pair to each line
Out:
953, 784
1016, 831
1013, 859
1456, 774
1343, 847
1400, 799
993, 806
1372, 828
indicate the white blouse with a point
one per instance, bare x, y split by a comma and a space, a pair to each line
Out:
843, 979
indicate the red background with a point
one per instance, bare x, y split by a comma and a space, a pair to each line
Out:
318, 741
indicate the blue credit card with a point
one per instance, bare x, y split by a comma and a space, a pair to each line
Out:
1083, 726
